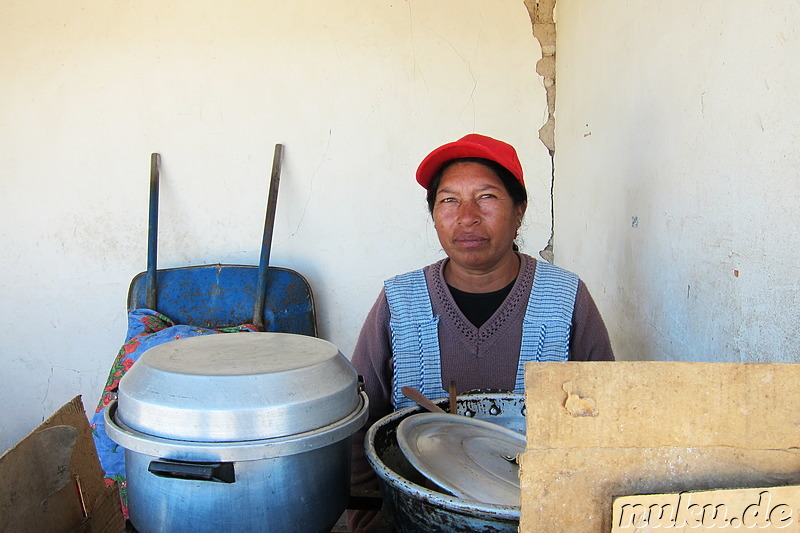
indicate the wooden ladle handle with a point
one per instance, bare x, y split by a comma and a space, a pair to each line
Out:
420, 399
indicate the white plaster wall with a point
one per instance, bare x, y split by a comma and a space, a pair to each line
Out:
677, 170
358, 92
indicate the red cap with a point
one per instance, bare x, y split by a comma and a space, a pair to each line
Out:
472, 145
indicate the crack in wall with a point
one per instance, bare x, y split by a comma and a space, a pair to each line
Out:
542, 13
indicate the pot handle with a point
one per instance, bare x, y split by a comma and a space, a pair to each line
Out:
218, 472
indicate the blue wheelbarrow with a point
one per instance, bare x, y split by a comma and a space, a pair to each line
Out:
169, 304
216, 296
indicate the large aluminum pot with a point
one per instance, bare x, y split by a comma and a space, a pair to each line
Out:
238, 432
414, 507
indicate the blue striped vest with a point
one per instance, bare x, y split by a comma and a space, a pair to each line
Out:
415, 334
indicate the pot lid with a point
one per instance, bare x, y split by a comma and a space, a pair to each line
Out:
237, 387
470, 458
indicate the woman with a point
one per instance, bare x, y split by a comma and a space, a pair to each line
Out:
477, 316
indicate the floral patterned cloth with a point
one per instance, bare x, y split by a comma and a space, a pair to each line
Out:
146, 328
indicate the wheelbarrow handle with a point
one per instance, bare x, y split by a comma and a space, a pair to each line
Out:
266, 243
152, 233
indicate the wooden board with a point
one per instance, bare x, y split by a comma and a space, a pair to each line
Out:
596, 431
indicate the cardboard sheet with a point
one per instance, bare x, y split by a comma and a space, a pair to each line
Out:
51, 481
602, 430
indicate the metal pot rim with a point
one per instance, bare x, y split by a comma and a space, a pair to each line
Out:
246, 450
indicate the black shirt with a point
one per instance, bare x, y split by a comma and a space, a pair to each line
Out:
479, 307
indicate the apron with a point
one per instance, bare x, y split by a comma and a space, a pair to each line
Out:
415, 335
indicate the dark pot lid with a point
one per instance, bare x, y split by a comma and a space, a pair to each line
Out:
237, 387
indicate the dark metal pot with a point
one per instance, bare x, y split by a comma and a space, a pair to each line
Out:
238, 432
412, 505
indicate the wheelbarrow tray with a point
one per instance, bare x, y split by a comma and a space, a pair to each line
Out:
216, 296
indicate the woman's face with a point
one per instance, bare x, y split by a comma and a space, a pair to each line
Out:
475, 217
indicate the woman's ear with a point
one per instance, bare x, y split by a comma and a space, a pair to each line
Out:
521, 208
